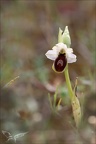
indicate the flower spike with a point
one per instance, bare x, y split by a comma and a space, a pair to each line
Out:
62, 54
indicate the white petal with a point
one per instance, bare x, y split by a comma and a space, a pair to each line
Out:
69, 50
51, 54
59, 47
71, 58
62, 45
54, 48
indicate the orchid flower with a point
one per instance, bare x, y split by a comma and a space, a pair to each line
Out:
61, 55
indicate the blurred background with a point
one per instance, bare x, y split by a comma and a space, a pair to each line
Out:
29, 28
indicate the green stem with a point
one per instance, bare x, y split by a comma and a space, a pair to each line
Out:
71, 93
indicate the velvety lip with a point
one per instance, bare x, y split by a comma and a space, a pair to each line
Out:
60, 62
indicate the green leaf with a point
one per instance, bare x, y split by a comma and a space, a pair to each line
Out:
76, 110
50, 101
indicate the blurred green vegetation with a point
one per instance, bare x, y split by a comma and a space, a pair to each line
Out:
28, 29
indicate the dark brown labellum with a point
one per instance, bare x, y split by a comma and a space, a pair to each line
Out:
60, 63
